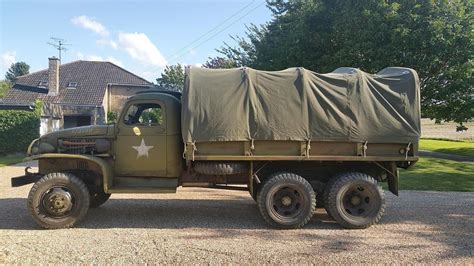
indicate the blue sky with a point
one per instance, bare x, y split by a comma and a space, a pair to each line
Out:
141, 36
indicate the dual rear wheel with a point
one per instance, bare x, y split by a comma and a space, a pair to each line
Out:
353, 199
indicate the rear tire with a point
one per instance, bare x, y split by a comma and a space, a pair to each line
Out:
319, 200
355, 200
286, 201
58, 200
326, 195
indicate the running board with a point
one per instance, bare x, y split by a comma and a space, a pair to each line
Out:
137, 190
135, 184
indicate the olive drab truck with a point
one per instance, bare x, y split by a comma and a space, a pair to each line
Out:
294, 139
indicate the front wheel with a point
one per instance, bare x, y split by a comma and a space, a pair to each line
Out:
58, 200
286, 201
355, 200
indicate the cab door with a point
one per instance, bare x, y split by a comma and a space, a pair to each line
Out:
140, 147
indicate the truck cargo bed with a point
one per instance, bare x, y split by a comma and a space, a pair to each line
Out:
298, 150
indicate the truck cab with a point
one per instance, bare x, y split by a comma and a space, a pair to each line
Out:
147, 143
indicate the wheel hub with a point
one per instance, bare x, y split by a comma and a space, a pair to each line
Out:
57, 201
286, 201
355, 200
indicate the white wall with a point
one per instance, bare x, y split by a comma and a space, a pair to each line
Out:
44, 126
49, 125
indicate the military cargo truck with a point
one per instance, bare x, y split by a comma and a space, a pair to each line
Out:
295, 139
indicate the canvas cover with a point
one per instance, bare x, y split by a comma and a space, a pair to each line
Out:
297, 104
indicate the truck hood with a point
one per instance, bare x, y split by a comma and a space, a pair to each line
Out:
101, 131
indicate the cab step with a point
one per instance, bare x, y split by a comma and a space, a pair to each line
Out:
136, 184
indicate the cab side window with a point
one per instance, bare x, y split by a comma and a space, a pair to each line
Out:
144, 114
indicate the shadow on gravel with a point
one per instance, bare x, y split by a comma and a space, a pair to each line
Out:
447, 221
159, 214
447, 216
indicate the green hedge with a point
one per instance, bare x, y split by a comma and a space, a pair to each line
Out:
18, 128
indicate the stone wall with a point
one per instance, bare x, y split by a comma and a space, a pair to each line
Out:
52, 117
117, 95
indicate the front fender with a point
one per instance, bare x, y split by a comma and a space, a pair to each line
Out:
107, 172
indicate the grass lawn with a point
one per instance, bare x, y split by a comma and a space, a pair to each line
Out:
463, 148
438, 175
10, 159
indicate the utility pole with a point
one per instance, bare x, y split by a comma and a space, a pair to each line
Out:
59, 45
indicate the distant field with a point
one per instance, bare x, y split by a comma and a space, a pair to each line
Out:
445, 130
463, 148
438, 175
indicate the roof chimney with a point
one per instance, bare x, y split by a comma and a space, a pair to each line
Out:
53, 76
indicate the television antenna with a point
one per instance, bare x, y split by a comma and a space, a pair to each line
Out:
59, 44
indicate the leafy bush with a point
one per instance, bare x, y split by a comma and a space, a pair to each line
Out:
18, 128
111, 117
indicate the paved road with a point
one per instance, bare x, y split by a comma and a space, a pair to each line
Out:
211, 226
446, 156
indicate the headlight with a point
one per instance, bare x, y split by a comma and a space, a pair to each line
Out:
45, 147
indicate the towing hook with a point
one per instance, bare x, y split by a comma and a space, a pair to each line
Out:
26, 170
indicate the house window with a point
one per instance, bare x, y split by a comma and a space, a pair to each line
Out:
72, 85
43, 84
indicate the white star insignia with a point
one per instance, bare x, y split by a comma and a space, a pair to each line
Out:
142, 149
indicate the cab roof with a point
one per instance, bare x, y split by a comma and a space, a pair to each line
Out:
156, 94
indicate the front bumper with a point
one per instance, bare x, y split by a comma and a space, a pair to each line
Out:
25, 179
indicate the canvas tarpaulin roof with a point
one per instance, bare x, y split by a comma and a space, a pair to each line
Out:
297, 104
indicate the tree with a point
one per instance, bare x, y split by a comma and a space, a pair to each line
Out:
219, 62
17, 69
5, 86
433, 37
172, 78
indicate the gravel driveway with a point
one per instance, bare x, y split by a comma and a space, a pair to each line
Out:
213, 226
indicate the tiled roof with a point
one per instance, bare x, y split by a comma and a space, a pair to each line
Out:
92, 78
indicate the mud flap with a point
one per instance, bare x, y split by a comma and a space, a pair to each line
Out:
392, 178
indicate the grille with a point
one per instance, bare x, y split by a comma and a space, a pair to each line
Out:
82, 165
77, 146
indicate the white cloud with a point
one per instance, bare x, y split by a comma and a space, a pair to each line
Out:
114, 60
92, 57
150, 76
8, 58
185, 64
80, 55
139, 47
107, 42
90, 24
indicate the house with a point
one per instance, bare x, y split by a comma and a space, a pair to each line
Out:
78, 93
